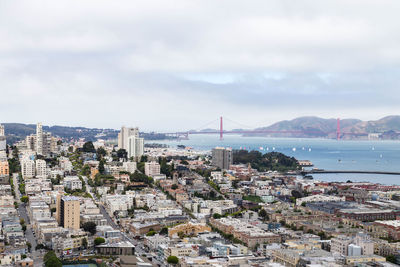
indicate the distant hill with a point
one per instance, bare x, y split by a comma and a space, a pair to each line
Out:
389, 127
18, 131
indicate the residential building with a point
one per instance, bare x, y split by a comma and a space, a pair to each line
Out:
124, 134
135, 146
41, 168
27, 168
152, 168
72, 182
222, 157
68, 212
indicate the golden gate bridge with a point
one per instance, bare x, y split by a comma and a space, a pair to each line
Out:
221, 132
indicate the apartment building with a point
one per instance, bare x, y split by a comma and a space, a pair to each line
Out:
68, 212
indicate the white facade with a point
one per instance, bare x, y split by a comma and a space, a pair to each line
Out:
129, 166
39, 139
124, 134
72, 182
135, 146
41, 169
151, 168
27, 168
2, 130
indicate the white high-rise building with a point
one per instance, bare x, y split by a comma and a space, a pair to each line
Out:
39, 139
2, 130
27, 167
135, 147
41, 168
129, 166
152, 168
124, 135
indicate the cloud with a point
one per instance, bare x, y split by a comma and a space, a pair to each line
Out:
177, 64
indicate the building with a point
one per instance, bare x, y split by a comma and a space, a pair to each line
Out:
189, 229
129, 166
4, 168
222, 157
68, 212
124, 134
27, 168
41, 168
152, 168
120, 248
135, 146
39, 139
73, 183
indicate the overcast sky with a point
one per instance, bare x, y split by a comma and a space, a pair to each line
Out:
164, 65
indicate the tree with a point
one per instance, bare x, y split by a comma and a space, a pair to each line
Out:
101, 167
101, 152
84, 243
99, 240
21, 221
217, 216
391, 258
89, 227
88, 147
24, 227
85, 170
49, 255
181, 235
151, 233
164, 231
173, 260
122, 154
53, 262
263, 213
24, 199
29, 245
52, 210
174, 187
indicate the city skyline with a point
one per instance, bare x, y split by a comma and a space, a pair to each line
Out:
177, 66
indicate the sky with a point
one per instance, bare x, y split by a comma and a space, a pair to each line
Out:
176, 65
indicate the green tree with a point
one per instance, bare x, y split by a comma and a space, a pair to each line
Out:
122, 154
99, 240
101, 167
50, 254
392, 259
89, 227
217, 216
151, 233
84, 243
24, 199
263, 214
164, 231
88, 147
101, 153
174, 187
173, 260
85, 170
53, 262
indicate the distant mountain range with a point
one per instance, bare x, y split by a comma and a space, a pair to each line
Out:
303, 127
18, 131
387, 128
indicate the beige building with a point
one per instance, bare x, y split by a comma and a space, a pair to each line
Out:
124, 134
68, 212
189, 229
4, 168
152, 168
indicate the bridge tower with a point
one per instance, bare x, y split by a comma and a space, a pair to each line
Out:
338, 129
221, 129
